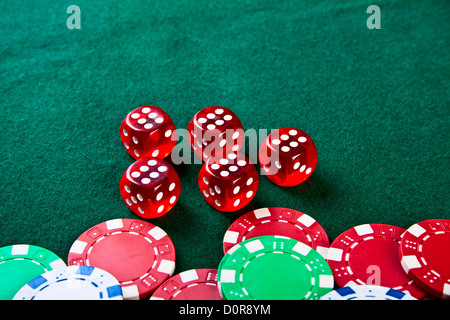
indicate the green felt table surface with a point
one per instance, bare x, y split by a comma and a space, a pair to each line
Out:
375, 102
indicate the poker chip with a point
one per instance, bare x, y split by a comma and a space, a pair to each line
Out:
367, 292
368, 254
140, 255
72, 283
194, 284
21, 263
280, 222
273, 268
425, 255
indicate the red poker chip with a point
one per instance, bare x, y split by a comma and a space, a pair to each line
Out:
279, 222
368, 254
194, 284
425, 255
140, 255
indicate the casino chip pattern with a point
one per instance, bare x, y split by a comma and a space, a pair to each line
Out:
370, 253
425, 255
367, 292
21, 263
134, 259
194, 284
277, 221
72, 283
273, 268
139, 254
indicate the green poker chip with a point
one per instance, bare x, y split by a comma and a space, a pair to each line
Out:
21, 263
273, 268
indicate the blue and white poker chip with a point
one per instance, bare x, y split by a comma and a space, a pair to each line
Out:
367, 292
72, 283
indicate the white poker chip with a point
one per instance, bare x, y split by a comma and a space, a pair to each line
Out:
367, 292
72, 283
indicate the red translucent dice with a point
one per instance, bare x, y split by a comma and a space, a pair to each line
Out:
150, 187
215, 132
148, 132
228, 184
288, 156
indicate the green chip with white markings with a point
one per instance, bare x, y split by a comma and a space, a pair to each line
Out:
21, 263
273, 268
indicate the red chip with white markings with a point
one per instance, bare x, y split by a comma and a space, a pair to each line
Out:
425, 255
280, 222
368, 254
194, 284
140, 255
